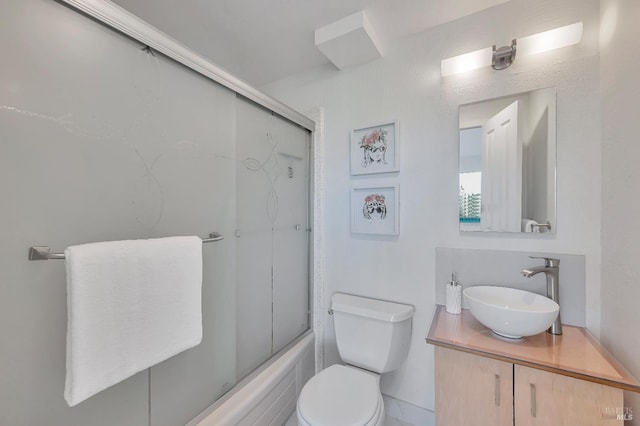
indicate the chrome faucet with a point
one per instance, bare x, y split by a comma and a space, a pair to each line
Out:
551, 269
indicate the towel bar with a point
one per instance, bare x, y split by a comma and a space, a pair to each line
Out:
44, 252
542, 225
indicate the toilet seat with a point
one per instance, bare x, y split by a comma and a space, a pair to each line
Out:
341, 395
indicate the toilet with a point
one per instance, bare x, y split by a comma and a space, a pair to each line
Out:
373, 337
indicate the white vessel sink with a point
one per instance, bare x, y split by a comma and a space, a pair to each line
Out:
510, 312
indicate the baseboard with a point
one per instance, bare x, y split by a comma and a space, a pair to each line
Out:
408, 413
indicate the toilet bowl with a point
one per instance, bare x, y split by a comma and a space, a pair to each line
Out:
372, 337
341, 395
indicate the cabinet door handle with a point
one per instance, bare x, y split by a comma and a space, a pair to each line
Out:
532, 388
496, 397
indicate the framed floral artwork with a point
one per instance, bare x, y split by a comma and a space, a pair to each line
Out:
375, 149
375, 209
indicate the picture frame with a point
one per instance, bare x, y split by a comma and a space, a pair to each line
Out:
375, 149
375, 209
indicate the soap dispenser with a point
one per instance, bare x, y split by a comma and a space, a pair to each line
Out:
454, 297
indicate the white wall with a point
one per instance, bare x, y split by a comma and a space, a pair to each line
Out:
540, 154
620, 68
471, 150
406, 85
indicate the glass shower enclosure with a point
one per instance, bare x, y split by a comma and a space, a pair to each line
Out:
102, 138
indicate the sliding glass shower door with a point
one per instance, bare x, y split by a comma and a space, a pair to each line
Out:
272, 237
101, 139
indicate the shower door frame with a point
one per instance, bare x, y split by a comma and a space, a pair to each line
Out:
132, 26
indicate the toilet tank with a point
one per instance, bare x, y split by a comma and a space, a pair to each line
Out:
371, 334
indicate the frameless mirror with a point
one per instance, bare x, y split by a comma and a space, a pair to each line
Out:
508, 163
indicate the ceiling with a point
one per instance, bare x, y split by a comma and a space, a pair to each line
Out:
262, 41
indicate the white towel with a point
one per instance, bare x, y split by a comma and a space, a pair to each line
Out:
530, 225
130, 305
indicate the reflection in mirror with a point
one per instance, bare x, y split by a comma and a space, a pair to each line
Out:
508, 163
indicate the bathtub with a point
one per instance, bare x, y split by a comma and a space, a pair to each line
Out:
268, 396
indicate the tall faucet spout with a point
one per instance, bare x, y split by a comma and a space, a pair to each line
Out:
551, 270
529, 272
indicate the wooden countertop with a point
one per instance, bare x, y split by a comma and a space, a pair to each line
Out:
575, 353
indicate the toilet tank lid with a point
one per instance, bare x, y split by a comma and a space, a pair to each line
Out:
371, 308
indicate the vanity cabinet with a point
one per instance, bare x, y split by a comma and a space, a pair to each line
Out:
476, 391
472, 390
542, 380
544, 398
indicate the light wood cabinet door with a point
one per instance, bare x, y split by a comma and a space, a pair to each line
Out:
547, 399
472, 390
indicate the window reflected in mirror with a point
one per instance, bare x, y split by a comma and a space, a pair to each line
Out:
470, 178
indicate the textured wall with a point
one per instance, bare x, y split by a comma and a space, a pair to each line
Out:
620, 68
406, 85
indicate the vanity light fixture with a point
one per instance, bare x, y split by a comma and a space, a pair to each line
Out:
502, 57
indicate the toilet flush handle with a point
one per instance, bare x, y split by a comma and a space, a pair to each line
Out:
330, 311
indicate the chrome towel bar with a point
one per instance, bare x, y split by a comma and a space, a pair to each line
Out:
541, 225
44, 252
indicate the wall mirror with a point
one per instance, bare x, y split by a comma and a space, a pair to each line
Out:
507, 163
